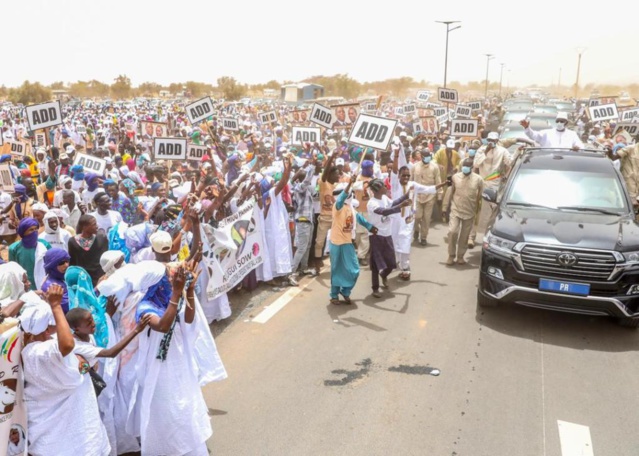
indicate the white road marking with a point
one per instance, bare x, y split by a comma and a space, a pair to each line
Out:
575, 439
270, 310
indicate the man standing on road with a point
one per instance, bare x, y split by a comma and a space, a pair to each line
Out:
629, 167
466, 193
554, 137
426, 173
448, 160
491, 162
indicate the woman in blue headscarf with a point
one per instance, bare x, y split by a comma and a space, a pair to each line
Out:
29, 251
81, 294
56, 262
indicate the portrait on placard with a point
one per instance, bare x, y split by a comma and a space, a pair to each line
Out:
430, 125
154, 130
345, 115
299, 116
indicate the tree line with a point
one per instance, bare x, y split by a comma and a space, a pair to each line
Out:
340, 85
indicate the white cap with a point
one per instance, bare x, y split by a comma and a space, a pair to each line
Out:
493, 135
562, 115
450, 144
339, 161
161, 242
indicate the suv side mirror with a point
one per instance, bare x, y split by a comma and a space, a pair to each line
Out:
489, 195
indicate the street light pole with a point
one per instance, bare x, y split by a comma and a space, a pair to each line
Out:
501, 77
488, 58
448, 30
580, 51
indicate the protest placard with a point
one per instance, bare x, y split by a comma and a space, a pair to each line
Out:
44, 115
15, 148
462, 111
153, 129
40, 139
299, 116
199, 110
91, 164
5, 179
230, 124
629, 115
423, 95
410, 109
268, 117
603, 112
429, 125
301, 135
169, 148
345, 114
321, 115
631, 128
474, 105
195, 152
447, 95
372, 131
464, 128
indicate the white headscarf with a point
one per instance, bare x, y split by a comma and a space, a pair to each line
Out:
17, 449
11, 275
36, 314
109, 259
48, 216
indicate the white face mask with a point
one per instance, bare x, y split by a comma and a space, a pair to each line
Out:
561, 126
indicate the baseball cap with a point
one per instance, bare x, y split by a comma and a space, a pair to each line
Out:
561, 115
493, 135
161, 242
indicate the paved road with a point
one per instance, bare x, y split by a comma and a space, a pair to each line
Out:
317, 379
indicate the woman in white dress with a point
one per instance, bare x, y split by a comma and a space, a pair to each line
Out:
58, 390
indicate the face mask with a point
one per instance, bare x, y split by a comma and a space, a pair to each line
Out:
466, 170
30, 241
561, 126
426, 160
471, 152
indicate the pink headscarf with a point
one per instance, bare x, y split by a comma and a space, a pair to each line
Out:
130, 163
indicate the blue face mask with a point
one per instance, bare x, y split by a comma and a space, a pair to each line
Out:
466, 170
426, 160
471, 152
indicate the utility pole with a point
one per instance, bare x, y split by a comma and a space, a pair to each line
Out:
488, 58
448, 30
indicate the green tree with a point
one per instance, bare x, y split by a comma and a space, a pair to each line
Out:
58, 85
99, 89
147, 89
80, 89
175, 88
29, 93
121, 88
198, 89
230, 88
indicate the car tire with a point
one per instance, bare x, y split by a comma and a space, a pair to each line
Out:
485, 301
628, 322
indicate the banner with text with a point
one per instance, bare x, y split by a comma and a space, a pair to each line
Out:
169, 148
233, 249
372, 131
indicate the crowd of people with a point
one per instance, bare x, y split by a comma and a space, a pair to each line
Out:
106, 276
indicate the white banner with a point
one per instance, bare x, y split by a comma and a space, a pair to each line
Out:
169, 148
233, 249
423, 95
230, 124
199, 110
301, 135
268, 117
474, 105
44, 115
5, 179
462, 111
195, 152
91, 164
447, 95
13, 416
464, 128
372, 131
438, 112
629, 115
321, 115
603, 112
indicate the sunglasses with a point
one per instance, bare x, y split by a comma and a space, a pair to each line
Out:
561, 121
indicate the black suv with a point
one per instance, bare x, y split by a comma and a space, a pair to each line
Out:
562, 236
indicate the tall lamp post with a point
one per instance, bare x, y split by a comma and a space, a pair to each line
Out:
579, 51
489, 57
448, 30
501, 77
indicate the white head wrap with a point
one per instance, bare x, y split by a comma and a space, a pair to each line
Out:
11, 275
48, 216
36, 314
109, 259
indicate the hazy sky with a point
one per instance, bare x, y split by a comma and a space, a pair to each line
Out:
257, 41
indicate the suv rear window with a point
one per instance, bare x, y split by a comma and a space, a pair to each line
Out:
552, 188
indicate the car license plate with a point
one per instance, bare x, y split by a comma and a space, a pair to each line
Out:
564, 287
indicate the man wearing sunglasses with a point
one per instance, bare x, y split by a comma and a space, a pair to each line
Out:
559, 136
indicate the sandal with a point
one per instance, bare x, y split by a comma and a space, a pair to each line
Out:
347, 299
335, 301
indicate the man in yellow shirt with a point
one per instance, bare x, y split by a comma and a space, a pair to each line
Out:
448, 160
